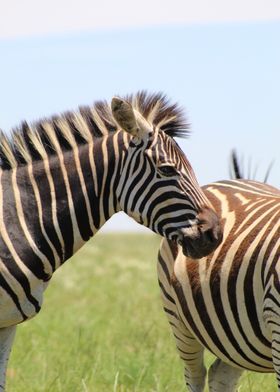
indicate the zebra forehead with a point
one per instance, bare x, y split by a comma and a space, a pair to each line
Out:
45, 137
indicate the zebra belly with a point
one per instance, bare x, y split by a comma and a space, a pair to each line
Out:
16, 307
219, 322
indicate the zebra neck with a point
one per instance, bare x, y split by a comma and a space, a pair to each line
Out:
50, 208
84, 183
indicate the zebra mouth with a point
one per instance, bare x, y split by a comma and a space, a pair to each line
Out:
194, 249
201, 237
198, 246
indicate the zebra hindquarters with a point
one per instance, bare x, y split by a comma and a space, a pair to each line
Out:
190, 350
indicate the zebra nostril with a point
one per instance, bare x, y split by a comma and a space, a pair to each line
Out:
209, 234
210, 225
213, 235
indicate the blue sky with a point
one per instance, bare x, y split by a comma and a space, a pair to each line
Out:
225, 74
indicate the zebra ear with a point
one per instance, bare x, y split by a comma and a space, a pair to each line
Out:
128, 119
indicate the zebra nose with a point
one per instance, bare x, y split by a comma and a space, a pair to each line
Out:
203, 236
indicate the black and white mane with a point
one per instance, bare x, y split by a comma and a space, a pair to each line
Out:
28, 142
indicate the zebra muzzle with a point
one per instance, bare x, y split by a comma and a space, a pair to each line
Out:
202, 236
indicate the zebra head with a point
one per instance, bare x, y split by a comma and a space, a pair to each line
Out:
158, 187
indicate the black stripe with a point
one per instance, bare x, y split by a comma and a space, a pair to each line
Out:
99, 164
110, 171
5, 286
63, 211
77, 196
120, 147
45, 196
165, 293
90, 181
164, 267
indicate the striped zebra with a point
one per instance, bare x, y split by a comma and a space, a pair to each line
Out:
62, 178
229, 301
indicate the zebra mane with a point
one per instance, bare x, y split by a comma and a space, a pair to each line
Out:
236, 169
46, 137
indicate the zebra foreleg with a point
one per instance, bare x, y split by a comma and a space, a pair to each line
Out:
6, 340
223, 377
191, 352
195, 371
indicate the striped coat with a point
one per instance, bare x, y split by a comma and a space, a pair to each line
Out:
229, 301
62, 178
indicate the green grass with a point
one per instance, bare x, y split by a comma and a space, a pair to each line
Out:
102, 327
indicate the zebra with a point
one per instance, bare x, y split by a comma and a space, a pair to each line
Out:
63, 177
229, 301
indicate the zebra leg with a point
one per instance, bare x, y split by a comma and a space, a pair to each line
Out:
275, 347
271, 315
223, 377
6, 340
191, 352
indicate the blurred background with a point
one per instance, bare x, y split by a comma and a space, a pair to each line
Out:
219, 60
102, 327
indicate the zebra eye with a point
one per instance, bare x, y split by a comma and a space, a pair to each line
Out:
167, 171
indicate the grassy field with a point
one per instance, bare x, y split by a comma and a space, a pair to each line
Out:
102, 328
